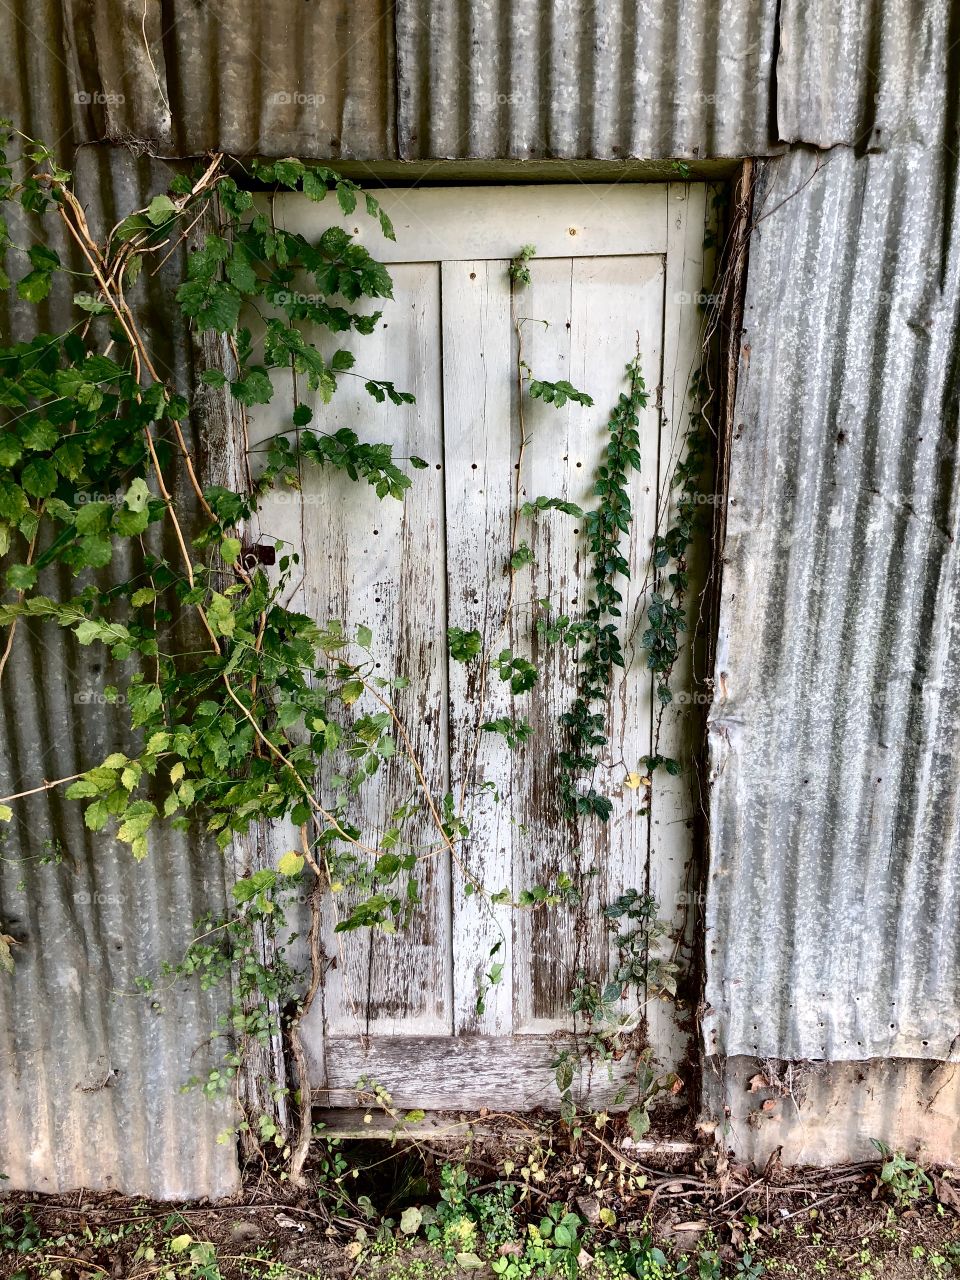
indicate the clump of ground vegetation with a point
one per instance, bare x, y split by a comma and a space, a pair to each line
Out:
527, 1207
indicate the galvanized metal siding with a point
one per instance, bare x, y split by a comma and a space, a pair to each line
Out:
835, 847
828, 1113
872, 74
91, 1068
604, 79
428, 79
282, 78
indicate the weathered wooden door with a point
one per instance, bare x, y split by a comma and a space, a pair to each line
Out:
618, 270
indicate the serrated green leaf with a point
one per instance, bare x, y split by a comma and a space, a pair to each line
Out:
160, 210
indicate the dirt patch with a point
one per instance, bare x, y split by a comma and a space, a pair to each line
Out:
412, 1214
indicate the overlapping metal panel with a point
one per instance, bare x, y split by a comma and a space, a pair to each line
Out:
604, 79
872, 74
91, 1069
829, 1113
834, 886
429, 79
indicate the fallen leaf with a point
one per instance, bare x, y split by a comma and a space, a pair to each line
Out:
947, 1195
410, 1220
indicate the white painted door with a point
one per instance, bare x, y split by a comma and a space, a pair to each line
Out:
617, 269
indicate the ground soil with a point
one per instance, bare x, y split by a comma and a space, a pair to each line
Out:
821, 1223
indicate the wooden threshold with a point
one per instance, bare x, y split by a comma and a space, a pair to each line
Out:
468, 1073
357, 1124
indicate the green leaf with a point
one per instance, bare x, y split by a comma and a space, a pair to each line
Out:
34, 286
137, 495
464, 645
419, 464
39, 477
43, 257
638, 1118
346, 198
302, 414
160, 210
249, 887
10, 450
87, 302
254, 388
13, 501
291, 864
213, 304
240, 270
351, 691
230, 550
220, 615
137, 820
21, 577
213, 378
40, 435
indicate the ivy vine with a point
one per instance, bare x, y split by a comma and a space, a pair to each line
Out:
95, 455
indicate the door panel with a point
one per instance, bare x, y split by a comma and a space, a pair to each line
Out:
402, 1009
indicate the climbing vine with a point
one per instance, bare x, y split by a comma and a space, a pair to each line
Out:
606, 525
238, 703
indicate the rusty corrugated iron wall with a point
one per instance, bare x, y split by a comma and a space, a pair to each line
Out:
835, 626
91, 1069
836, 731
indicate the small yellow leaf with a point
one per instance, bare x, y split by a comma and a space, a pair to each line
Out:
632, 780
291, 864
6, 813
179, 1244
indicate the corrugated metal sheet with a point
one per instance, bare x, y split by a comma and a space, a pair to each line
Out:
826, 1113
584, 78
282, 77
428, 79
834, 888
871, 74
181, 77
91, 1069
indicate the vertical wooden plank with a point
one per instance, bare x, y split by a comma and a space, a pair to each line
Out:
622, 304
561, 445
481, 444
379, 563
595, 308
672, 799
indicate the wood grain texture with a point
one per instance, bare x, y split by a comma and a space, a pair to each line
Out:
506, 1073
481, 440
672, 799
380, 563
456, 224
402, 1009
